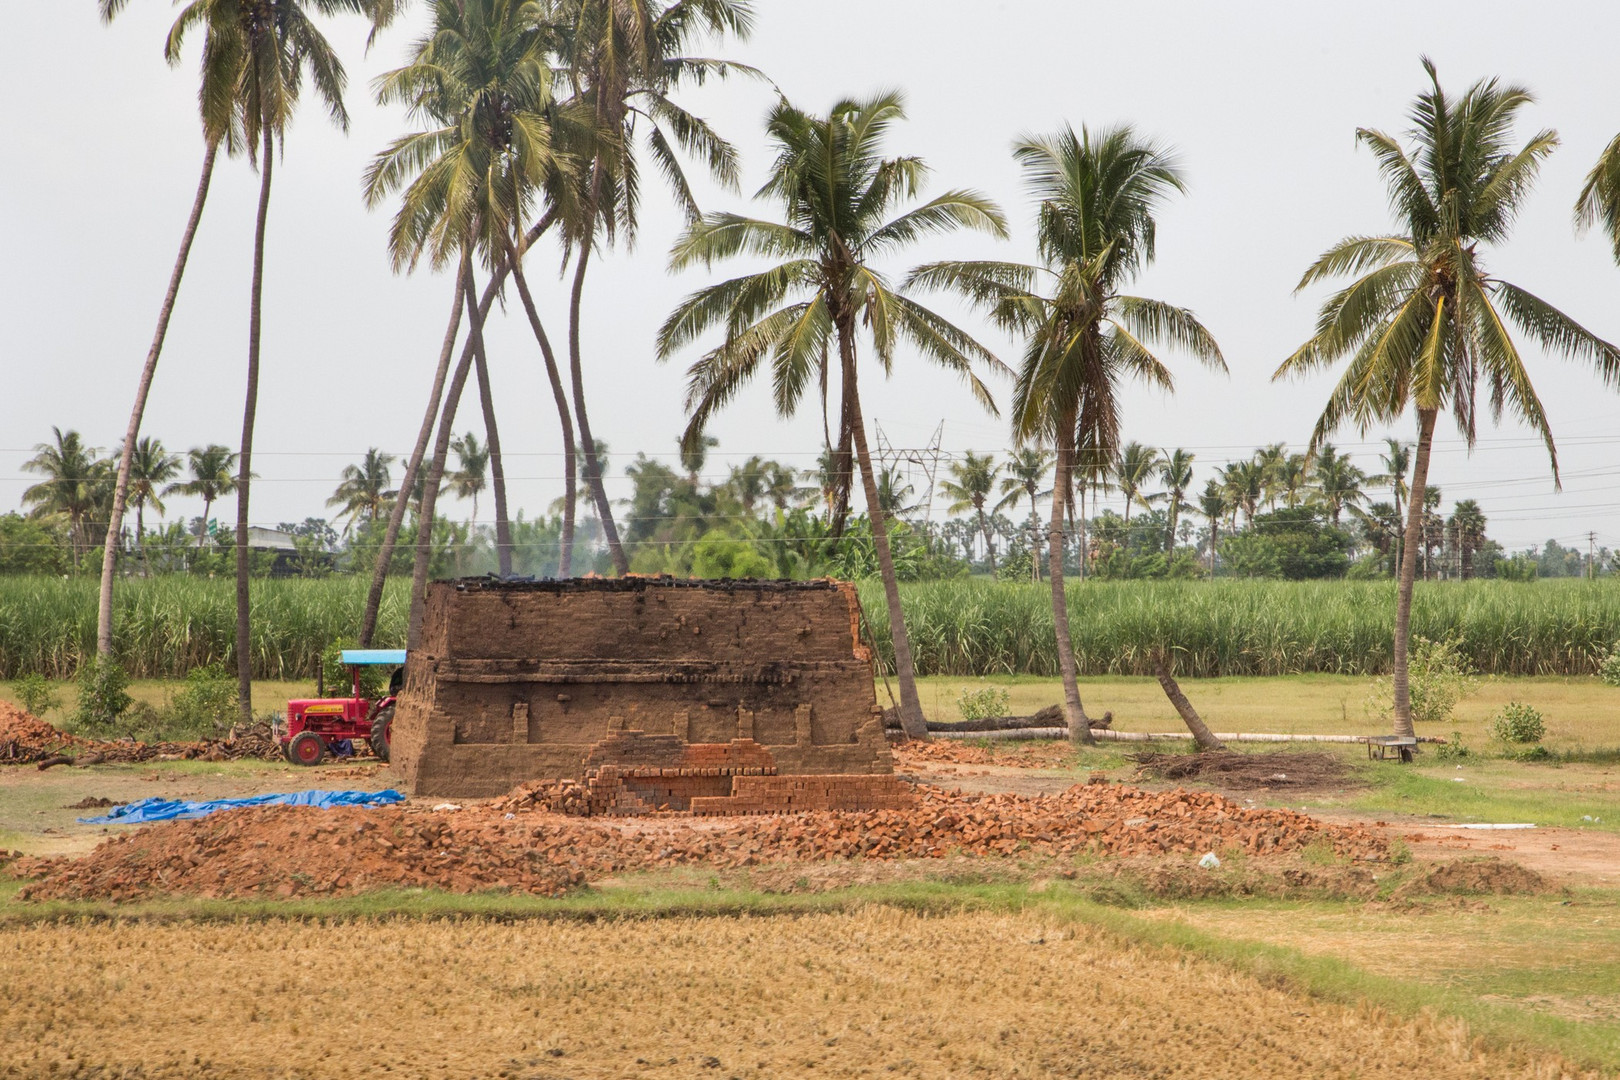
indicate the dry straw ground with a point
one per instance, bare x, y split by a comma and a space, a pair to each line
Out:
875, 993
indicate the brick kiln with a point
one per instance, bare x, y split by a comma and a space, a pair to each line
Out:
711, 696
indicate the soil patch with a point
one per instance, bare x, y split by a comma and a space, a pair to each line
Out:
294, 851
1042, 754
1478, 877
1284, 770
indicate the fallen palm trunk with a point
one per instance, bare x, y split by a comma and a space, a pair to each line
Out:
1189, 715
1051, 716
1159, 736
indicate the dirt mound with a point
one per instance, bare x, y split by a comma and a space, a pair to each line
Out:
1477, 877
25, 740
293, 851
1036, 754
1248, 772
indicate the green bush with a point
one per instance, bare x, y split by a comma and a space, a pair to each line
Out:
1454, 750
1439, 676
1609, 671
1518, 723
204, 707
982, 703
35, 694
103, 695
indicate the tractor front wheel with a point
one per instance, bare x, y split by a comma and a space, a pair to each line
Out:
382, 734
306, 748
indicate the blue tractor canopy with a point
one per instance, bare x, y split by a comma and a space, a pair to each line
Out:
373, 657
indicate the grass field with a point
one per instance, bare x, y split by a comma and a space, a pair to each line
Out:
870, 991
166, 626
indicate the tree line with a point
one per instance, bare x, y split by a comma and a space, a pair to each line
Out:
536, 120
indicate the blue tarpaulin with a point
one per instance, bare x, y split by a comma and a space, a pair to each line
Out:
179, 809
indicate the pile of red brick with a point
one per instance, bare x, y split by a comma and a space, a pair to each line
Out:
288, 851
792, 794
25, 739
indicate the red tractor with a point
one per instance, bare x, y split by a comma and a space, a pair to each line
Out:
320, 726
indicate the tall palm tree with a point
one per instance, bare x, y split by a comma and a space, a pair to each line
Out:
836, 191
1176, 474
1467, 530
363, 491
622, 59
1132, 474
1337, 482
1272, 460
212, 476
217, 98
1245, 484
1097, 195
1022, 477
695, 454
1425, 321
472, 470
1214, 503
972, 481
1293, 477
150, 468
74, 476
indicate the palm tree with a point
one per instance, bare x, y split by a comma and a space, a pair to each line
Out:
1272, 460
836, 191
622, 59
217, 98
1397, 462
150, 467
212, 477
364, 490
894, 492
472, 466
973, 479
1176, 473
1022, 477
74, 477
1244, 482
1097, 196
1337, 481
1425, 321
1214, 504
1293, 479
1467, 529
1133, 472
695, 454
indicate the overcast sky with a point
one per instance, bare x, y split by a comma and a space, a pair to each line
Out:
101, 152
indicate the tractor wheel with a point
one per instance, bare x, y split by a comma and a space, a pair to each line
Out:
382, 733
306, 748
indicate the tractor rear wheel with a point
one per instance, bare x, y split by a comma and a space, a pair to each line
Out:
306, 748
382, 734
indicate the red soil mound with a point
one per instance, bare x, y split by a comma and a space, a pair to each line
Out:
291, 851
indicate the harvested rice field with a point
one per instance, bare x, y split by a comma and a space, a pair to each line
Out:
873, 992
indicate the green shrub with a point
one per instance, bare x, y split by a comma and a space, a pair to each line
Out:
35, 694
1518, 723
1453, 750
1609, 671
982, 703
103, 695
204, 707
1439, 676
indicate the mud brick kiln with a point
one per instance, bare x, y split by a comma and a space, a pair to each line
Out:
709, 696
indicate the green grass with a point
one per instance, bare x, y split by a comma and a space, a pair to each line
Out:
166, 626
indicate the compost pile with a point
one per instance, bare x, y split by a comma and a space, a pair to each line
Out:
295, 851
1271, 771
25, 740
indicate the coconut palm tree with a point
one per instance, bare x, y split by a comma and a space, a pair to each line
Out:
472, 470
217, 97
836, 191
212, 477
1215, 504
622, 60
1273, 460
695, 454
1176, 474
1245, 484
1022, 477
1467, 533
74, 476
1097, 195
1337, 482
1133, 472
364, 491
1397, 462
150, 468
1425, 321
972, 481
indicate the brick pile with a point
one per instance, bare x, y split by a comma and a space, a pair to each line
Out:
296, 851
25, 740
793, 794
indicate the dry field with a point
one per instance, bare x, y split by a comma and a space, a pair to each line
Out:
877, 992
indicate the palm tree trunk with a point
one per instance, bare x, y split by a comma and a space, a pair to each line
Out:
1201, 734
843, 464
202, 523
430, 493
1214, 541
560, 396
244, 625
492, 436
413, 465
1074, 712
115, 520
593, 468
1403, 597
989, 544
911, 714
140, 539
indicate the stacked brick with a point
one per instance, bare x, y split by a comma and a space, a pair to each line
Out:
793, 794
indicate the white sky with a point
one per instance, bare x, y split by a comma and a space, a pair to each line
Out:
99, 161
